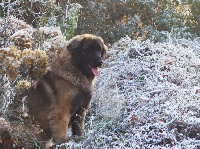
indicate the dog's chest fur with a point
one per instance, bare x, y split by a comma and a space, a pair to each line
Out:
72, 82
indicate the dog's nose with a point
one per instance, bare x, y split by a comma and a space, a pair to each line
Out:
99, 63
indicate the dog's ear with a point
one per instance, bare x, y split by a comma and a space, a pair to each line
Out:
104, 48
104, 51
75, 43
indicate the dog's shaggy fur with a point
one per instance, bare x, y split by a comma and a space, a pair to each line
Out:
61, 97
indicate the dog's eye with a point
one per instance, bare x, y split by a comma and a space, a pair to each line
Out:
91, 50
99, 50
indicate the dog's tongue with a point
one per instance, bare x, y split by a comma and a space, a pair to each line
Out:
95, 71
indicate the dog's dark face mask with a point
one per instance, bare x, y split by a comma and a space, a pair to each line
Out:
92, 57
88, 56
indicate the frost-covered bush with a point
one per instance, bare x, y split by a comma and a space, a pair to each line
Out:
147, 96
32, 12
7, 94
9, 26
54, 41
43, 13
23, 38
10, 61
15, 62
23, 56
22, 61
35, 62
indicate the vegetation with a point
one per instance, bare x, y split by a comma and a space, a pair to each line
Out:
113, 19
150, 74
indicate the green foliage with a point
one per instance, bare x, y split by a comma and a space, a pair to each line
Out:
108, 19
193, 21
113, 19
66, 20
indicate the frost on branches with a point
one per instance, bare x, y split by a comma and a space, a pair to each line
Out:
9, 26
25, 55
146, 96
26, 51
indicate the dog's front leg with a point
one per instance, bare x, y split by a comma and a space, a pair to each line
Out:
78, 122
59, 127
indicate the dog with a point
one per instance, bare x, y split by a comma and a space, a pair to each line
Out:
61, 97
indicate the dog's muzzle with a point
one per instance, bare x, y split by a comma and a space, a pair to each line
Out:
99, 63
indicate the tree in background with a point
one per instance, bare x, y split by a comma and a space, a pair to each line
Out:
114, 19
111, 19
193, 20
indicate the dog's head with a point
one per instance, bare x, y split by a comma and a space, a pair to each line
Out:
88, 52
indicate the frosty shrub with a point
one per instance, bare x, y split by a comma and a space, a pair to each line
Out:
35, 62
10, 61
22, 86
22, 61
54, 41
33, 12
21, 57
10, 25
147, 96
7, 94
44, 13
23, 38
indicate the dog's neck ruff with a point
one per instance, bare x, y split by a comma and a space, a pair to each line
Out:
67, 71
75, 79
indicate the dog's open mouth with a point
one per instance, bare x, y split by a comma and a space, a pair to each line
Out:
95, 70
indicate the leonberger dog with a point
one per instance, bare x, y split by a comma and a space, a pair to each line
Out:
60, 98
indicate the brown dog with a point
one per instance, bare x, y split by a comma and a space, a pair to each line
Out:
61, 97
